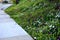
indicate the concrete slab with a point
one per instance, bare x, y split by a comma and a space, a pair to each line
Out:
4, 16
4, 6
25, 37
2, 12
4, 20
9, 29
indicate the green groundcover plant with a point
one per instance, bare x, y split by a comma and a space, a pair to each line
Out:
40, 18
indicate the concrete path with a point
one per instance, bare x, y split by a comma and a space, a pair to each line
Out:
9, 29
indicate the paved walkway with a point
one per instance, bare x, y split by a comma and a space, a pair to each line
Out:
9, 29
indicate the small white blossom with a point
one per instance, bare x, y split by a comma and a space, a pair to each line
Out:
38, 21
53, 26
50, 26
58, 15
34, 37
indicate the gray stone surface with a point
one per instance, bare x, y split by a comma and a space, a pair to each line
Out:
4, 6
9, 29
25, 37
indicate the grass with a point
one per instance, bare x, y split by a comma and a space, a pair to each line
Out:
37, 17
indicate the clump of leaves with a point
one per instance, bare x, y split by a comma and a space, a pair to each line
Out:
38, 17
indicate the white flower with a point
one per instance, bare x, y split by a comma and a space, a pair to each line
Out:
53, 26
50, 26
38, 22
58, 15
34, 37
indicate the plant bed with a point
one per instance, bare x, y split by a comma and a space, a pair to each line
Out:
37, 17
